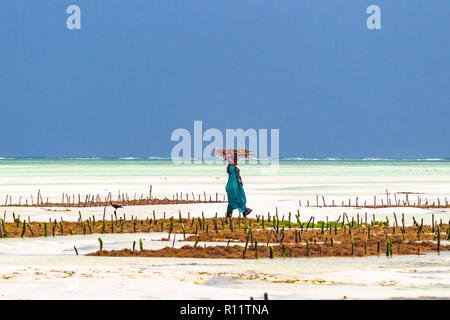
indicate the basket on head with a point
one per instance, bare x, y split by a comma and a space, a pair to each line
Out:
235, 153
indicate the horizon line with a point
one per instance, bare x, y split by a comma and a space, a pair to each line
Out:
281, 159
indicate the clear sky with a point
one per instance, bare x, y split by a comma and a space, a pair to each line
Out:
138, 69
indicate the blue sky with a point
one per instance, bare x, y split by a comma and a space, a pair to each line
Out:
139, 69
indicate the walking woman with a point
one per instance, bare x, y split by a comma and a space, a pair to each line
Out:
234, 188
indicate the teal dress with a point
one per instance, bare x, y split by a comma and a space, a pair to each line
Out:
235, 191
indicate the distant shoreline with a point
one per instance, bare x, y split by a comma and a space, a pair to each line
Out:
289, 159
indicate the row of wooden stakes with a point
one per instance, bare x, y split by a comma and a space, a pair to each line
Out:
384, 203
95, 200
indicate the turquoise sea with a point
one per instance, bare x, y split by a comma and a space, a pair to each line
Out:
164, 167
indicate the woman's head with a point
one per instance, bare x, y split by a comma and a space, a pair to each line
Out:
228, 159
231, 159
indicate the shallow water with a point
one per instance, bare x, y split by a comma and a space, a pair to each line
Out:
39, 268
48, 268
73, 277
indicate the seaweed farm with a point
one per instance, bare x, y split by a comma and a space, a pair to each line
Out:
263, 238
328, 230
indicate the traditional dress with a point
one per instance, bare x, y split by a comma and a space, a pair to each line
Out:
235, 191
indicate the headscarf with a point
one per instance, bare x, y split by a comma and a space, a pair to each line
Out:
229, 159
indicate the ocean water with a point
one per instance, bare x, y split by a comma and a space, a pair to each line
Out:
290, 176
130, 167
